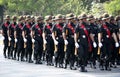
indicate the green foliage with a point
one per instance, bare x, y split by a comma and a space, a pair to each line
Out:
113, 7
53, 7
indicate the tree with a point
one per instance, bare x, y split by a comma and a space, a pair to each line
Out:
113, 7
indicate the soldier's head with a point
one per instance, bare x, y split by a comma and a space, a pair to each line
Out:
91, 19
48, 19
14, 18
28, 18
100, 19
21, 19
112, 19
39, 19
83, 17
58, 18
117, 18
7, 18
106, 17
70, 17
33, 18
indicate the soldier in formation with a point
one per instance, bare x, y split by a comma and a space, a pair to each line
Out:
63, 41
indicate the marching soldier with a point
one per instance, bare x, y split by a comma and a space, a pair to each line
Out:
11, 36
105, 35
93, 54
115, 50
58, 41
19, 39
68, 35
28, 39
5, 26
48, 41
118, 34
83, 38
37, 30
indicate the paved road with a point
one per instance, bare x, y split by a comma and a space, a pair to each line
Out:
12, 68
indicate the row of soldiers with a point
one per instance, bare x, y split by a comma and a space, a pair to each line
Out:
65, 39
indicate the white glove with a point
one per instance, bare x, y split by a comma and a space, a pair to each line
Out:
100, 44
25, 40
9, 39
15, 40
33, 40
66, 42
94, 44
45, 42
116, 44
56, 42
76, 45
3, 37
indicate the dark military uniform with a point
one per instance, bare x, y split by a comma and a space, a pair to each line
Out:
28, 49
115, 50
12, 41
50, 43
118, 24
93, 54
20, 43
59, 53
70, 48
83, 31
106, 49
5, 35
38, 44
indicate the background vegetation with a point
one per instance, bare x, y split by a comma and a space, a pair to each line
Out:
53, 7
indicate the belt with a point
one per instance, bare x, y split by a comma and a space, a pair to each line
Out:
107, 36
83, 36
49, 34
72, 36
60, 36
38, 35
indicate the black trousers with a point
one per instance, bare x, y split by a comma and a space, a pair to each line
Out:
93, 56
49, 49
106, 53
38, 48
114, 53
28, 49
20, 48
12, 43
5, 41
69, 53
82, 54
59, 54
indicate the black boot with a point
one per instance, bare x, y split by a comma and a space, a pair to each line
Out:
107, 68
83, 69
101, 68
36, 61
4, 55
55, 64
72, 68
30, 61
65, 66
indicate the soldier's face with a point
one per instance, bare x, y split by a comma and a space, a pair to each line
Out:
7, 20
60, 20
50, 21
14, 20
84, 20
23, 21
92, 21
108, 20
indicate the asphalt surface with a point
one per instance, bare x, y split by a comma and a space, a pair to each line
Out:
13, 68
